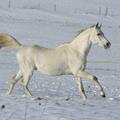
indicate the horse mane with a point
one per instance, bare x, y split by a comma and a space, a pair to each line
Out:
79, 32
82, 30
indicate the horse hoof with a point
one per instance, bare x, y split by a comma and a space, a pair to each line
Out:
103, 95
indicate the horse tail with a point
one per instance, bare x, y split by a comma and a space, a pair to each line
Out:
8, 41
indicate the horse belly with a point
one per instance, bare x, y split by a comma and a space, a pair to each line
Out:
53, 68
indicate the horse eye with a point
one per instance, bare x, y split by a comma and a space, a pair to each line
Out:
98, 34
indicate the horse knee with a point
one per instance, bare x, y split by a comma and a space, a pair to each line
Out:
13, 81
26, 78
14, 77
25, 83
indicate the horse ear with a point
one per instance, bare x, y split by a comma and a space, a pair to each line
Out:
97, 25
100, 25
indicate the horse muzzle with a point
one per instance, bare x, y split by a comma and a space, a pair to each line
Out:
107, 45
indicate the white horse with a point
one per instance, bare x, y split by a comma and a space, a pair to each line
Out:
69, 58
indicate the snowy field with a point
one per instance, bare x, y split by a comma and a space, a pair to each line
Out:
50, 23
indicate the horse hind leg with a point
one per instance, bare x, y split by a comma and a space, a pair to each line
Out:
13, 81
26, 78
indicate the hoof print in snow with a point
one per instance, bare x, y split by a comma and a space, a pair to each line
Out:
39, 104
83, 104
3, 106
67, 99
39, 98
88, 86
58, 103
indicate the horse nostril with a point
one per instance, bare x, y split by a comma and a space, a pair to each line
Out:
108, 44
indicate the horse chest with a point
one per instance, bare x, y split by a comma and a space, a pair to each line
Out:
76, 62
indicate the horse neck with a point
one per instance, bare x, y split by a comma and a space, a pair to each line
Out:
82, 44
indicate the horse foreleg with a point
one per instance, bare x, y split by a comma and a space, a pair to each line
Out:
13, 81
85, 74
80, 86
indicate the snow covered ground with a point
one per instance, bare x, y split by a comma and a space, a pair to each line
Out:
50, 23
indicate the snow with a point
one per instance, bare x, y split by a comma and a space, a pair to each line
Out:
50, 23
